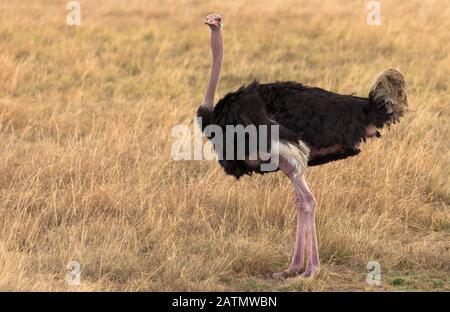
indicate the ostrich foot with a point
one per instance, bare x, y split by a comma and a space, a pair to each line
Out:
291, 272
310, 272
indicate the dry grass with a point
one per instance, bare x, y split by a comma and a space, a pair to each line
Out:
85, 167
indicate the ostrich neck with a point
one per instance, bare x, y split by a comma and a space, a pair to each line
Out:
217, 58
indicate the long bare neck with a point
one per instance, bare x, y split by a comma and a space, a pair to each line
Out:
217, 56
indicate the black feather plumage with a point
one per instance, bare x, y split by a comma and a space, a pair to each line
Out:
319, 118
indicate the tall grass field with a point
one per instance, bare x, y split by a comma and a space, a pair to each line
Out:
86, 173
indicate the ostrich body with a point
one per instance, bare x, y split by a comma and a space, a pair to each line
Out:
315, 127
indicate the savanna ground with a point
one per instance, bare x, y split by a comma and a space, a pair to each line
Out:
86, 114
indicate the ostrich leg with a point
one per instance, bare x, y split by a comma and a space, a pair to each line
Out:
307, 213
306, 228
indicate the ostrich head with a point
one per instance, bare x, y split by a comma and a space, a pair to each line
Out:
214, 21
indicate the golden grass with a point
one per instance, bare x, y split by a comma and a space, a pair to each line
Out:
85, 170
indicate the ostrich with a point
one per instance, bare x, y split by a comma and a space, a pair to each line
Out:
315, 127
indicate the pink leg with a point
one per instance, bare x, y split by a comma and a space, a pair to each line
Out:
308, 214
306, 229
298, 258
